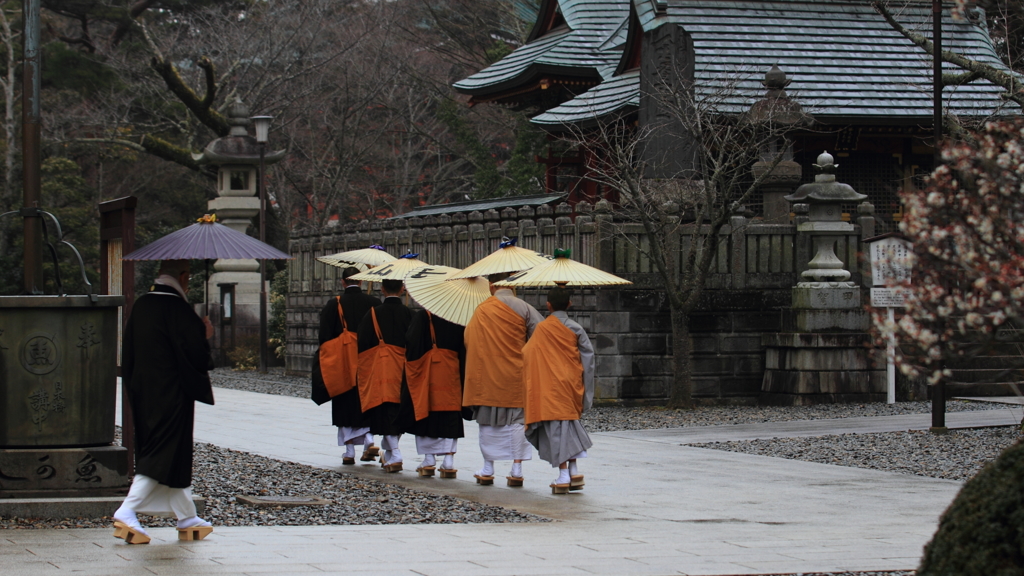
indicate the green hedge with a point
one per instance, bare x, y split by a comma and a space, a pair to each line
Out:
982, 531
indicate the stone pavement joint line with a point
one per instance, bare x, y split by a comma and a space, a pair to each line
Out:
652, 506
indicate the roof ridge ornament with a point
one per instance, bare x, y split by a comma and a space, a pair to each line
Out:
827, 167
238, 118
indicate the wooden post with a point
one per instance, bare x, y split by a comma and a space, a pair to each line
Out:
117, 277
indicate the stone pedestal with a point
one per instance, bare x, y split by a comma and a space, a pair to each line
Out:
63, 472
823, 354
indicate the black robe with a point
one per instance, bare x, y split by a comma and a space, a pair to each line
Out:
394, 318
165, 361
447, 424
345, 408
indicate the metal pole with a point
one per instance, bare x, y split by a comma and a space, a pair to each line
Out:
939, 392
263, 267
31, 131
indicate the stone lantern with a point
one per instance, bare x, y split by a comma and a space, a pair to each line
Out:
237, 158
824, 352
824, 198
777, 111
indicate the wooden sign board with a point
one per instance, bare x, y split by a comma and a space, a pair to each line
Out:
888, 298
890, 261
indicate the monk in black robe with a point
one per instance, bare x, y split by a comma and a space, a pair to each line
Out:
439, 425
165, 361
346, 411
382, 368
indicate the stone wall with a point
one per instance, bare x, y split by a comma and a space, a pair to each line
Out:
746, 294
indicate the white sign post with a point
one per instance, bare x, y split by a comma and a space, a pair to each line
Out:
890, 268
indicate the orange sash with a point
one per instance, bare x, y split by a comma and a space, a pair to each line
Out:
553, 373
380, 371
435, 384
494, 356
339, 359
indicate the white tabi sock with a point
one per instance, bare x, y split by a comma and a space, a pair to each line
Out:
394, 456
129, 518
449, 462
429, 460
517, 470
368, 441
192, 522
488, 469
350, 450
573, 469
563, 476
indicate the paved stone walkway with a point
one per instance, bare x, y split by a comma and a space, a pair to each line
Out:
651, 506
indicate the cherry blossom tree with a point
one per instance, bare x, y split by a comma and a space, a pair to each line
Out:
967, 225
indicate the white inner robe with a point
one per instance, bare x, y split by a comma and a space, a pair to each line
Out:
147, 496
504, 443
427, 445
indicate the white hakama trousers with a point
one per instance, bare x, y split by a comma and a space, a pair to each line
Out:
347, 435
427, 445
147, 496
504, 443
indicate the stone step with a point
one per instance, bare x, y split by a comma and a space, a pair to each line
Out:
988, 362
986, 375
983, 389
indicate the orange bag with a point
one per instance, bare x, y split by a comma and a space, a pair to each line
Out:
380, 371
339, 359
434, 381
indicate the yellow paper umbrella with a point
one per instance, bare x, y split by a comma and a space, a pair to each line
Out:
563, 271
372, 256
507, 258
339, 263
397, 269
454, 301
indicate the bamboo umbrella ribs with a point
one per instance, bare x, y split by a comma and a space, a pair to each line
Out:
396, 269
361, 258
507, 258
563, 271
454, 301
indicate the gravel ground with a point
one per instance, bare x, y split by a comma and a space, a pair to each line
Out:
958, 455
220, 474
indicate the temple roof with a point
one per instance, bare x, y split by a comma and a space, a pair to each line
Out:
847, 64
580, 48
604, 100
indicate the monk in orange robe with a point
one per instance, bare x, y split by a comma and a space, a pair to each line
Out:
493, 389
558, 370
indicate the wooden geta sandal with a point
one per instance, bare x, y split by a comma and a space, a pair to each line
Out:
484, 480
194, 533
426, 471
514, 480
448, 473
128, 534
559, 488
576, 482
369, 454
348, 460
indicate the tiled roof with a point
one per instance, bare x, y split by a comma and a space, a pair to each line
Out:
573, 50
481, 205
607, 98
845, 62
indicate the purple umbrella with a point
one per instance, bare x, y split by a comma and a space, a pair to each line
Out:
206, 240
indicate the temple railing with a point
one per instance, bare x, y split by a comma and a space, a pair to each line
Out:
751, 254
